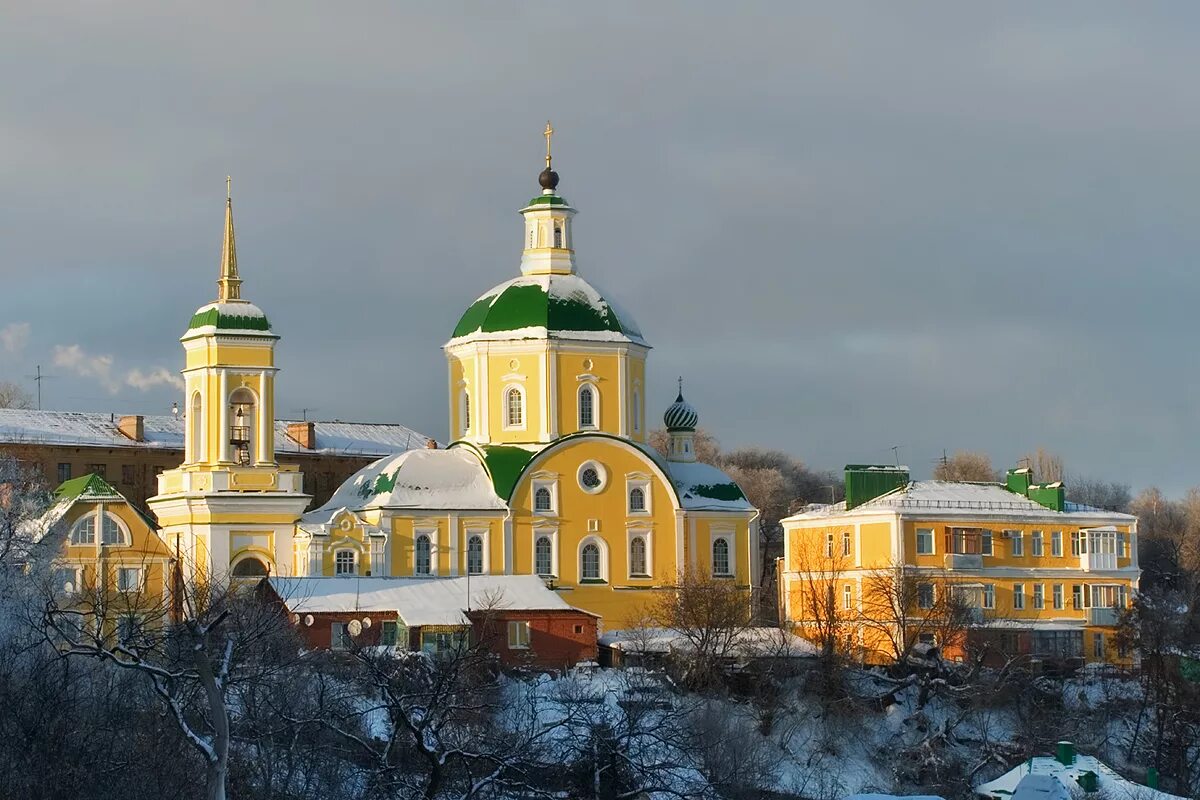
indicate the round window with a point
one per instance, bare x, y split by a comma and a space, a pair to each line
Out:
591, 477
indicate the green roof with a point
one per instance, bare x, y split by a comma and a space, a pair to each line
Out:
728, 492
505, 464
547, 200
552, 302
86, 487
216, 318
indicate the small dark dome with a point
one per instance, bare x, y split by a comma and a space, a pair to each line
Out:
548, 179
681, 416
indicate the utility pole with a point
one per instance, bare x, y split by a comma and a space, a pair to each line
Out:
896, 453
38, 378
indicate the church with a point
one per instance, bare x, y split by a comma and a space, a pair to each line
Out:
549, 471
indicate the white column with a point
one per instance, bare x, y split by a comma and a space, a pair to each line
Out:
264, 420
508, 544
623, 392
452, 544
544, 399
483, 392
223, 399
552, 387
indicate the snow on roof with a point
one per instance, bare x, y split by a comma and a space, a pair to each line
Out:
1111, 785
416, 479
418, 601
704, 487
894, 797
750, 642
98, 429
961, 498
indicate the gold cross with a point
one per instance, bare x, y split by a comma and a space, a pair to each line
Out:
228, 188
548, 133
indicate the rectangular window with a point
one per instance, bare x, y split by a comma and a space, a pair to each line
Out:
847, 597
829, 545
1035, 542
989, 595
1039, 595
925, 595
339, 639
924, 541
128, 474
387, 633
1122, 596
129, 579
1018, 596
1120, 545
98, 469
1076, 596
68, 580
1098, 645
64, 471
578, 629
518, 635
1058, 595
846, 546
1056, 543
1018, 542
985, 544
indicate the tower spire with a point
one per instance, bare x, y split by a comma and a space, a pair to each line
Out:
548, 133
229, 285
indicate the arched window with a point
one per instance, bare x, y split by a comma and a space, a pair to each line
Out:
514, 407
475, 555
589, 566
720, 557
637, 411
543, 556
466, 411
637, 556
242, 425
637, 499
197, 428
111, 531
84, 531
558, 242
345, 562
542, 499
253, 568
587, 407
421, 558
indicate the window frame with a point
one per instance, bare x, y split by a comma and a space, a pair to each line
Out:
1057, 597
1016, 547
988, 599
337, 565
552, 536
634, 483
523, 634
601, 473
1056, 544
122, 584
593, 393
847, 597
847, 545
1037, 544
89, 520
508, 392
429, 536
339, 637
926, 597
484, 548
986, 548
1039, 596
647, 553
729, 570
1018, 591
592, 542
932, 548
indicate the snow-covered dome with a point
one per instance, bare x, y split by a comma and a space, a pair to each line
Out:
556, 306
680, 415
229, 317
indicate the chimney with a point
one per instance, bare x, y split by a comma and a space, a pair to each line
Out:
431, 444
133, 426
304, 433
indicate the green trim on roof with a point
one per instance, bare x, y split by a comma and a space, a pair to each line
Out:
90, 485
505, 464
728, 492
547, 200
213, 317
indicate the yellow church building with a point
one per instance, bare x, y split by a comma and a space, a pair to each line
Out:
549, 472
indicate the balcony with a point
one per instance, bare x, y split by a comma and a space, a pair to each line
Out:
1106, 617
963, 561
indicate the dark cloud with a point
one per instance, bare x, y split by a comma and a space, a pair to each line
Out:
850, 227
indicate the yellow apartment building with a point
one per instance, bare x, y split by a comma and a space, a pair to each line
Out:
1030, 573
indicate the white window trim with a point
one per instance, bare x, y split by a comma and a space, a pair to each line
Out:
336, 642
1037, 543
432, 533
357, 562
552, 485
932, 542
378, 550
1020, 594
847, 597
1056, 544
600, 470
642, 483
76, 571
485, 535
506, 425
1058, 596
75, 526
728, 536
552, 535
595, 390
604, 561
932, 596
141, 579
520, 625
987, 598
647, 536
1039, 596
1017, 538
987, 536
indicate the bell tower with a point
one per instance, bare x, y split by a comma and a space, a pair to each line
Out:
230, 507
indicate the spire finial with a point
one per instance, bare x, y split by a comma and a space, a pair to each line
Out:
229, 285
548, 133
680, 387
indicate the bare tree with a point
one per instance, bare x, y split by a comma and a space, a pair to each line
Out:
966, 465
1047, 467
24, 499
226, 636
13, 396
707, 448
711, 615
901, 606
1110, 495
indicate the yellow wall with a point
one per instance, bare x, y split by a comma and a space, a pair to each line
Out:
101, 562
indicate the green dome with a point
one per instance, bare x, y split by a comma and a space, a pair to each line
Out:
554, 306
231, 317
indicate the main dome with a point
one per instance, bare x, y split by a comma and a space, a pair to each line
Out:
547, 306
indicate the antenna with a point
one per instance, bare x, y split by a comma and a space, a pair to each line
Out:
38, 378
304, 413
896, 453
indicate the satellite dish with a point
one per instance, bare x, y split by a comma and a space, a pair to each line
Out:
366, 622
295, 619
68, 587
308, 620
355, 627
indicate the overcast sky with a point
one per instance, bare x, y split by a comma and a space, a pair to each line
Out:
847, 226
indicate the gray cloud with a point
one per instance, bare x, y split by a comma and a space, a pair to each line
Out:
849, 227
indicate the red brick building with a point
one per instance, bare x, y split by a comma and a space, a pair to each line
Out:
514, 616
